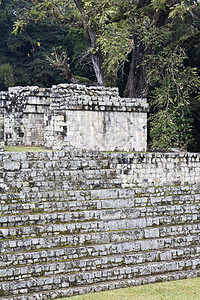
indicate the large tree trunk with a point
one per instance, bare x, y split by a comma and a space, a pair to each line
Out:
137, 86
99, 71
97, 57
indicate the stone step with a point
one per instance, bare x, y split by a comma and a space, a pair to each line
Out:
108, 285
118, 203
94, 263
46, 180
53, 216
67, 195
167, 190
65, 184
98, 226
65, 253
63, 201
188, 236
79, 279
150, 196
167, 204
50, 159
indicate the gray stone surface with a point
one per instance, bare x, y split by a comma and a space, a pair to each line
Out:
76, 221
79, 221
67, 115
1, 129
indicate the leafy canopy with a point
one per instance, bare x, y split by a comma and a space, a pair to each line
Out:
168, 30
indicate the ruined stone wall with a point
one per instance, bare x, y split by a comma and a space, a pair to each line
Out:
93, 118
1, 129
75, 169
24, 115
79, 221
82, 221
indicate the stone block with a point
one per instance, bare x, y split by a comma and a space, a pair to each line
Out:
151, 233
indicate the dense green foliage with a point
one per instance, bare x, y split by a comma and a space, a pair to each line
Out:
164, 37
147, 48
22, 56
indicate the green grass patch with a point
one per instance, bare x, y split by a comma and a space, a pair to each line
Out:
188, 289
24, 148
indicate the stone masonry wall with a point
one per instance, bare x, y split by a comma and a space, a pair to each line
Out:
40, 171
95, 118
81, 221
24, 115
1, 147
1, 130
67, 115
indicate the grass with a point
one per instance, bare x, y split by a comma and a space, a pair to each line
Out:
24, 148
187, 289
38, 149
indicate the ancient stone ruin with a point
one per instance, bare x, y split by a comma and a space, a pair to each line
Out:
92, 118
81, 220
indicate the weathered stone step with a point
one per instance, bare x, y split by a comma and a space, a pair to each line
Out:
99, 226
79, 205
71, 175
94, 263
167, 190
95, 215
51, 159
68, 195
66, 253
97, 276
45, 181
109, 285
9, 198
104, 286
63, 205
150, 196
95, 241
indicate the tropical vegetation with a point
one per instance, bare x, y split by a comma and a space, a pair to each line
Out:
148, 48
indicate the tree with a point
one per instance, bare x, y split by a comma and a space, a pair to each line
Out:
148, 39
65, 11
158, 35
117, 29
6, 76
26, 51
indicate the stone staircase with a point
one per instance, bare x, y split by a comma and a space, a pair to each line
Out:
60, 243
